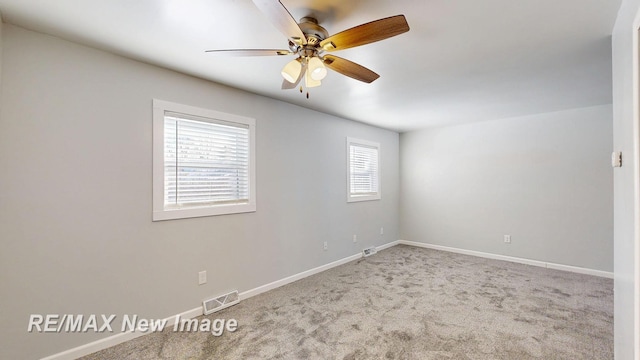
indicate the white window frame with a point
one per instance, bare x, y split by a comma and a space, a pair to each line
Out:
363, 143
160, 212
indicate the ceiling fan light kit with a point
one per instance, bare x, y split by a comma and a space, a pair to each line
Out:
291, 71
316, 69
310, 42
309, 81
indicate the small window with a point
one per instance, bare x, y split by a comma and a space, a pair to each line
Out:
363, 163
203, 162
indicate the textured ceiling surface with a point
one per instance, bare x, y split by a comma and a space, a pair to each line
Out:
462, 61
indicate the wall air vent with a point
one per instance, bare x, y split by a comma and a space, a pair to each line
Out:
369, 251
220, 302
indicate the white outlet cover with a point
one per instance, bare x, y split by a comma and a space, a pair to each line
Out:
202, 277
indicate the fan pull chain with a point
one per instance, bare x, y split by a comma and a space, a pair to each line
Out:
301, 91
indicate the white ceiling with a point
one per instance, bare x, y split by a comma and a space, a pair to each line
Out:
462, 60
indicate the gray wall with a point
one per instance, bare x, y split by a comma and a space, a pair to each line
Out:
75, 193
624, 188
545, 179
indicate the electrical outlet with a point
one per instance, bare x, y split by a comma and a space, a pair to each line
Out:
381, 231
507, 239
202, 277
355, 238
326, 245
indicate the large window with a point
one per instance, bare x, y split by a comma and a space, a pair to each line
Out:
363, 163
203, 162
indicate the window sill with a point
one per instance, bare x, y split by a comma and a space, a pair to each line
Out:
185, 213
351, 199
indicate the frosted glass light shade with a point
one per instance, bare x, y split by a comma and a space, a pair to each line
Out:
317, 69
309, 82
291, 71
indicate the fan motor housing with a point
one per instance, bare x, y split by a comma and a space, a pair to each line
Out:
313, 32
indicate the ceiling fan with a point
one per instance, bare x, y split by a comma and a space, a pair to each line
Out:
312, 45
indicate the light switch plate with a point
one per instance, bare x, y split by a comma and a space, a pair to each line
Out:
616, 159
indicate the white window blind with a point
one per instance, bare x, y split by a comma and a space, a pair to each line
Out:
204, 163
364, 172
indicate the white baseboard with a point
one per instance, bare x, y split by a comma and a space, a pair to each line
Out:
304, 274
114, 340
386, 246
543, 264
126, 336
110, 341
276, 284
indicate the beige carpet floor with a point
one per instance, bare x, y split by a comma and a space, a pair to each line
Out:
408, 303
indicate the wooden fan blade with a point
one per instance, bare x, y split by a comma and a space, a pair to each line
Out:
287, 85
350, 69
366, 33
250, 52
282, 19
